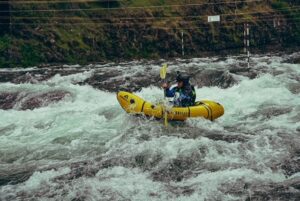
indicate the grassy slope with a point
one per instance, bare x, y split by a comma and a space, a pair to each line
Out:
92, 41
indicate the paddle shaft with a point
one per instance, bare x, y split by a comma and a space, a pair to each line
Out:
163, 74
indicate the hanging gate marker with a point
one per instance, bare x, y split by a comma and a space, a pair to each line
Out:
247, 42
276, 23
214, 18
245, 39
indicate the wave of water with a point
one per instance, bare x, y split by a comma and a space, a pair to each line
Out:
85, 147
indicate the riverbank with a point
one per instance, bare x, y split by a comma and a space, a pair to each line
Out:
85, 33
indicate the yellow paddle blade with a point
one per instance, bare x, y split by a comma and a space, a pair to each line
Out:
163, 71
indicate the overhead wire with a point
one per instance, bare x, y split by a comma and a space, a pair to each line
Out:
65, 19
58, 2
182, 23
146, 18
151, 23
138, 7
139, 18
282, 9
261, 18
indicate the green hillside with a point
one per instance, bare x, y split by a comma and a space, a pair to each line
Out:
93, 31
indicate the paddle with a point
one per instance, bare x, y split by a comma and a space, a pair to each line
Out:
163, 74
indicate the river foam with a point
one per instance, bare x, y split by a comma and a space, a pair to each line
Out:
85, 147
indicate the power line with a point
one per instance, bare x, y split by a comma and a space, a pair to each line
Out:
239, 25
137, 7
57, 2
270, 18
274, 14
146, 18
154, 18
150, 23
137, 18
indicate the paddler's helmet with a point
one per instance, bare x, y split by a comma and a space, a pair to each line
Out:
182, 77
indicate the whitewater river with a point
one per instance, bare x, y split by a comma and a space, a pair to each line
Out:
63, 135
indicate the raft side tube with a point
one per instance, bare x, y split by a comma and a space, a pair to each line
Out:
136, 105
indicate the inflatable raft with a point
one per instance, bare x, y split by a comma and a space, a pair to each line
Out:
133, 104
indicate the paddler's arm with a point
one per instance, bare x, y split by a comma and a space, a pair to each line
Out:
168, 92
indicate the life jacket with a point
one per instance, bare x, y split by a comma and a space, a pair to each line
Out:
187, 96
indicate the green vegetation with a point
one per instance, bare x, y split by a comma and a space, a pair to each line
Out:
30, 54
5, 42
110, 35
292, 15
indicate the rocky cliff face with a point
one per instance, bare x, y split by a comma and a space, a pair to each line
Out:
112, 31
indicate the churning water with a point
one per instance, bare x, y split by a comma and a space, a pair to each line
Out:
65, 137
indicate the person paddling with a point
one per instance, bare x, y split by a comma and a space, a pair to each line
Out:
184, 93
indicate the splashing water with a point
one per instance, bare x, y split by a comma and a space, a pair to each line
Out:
83, 146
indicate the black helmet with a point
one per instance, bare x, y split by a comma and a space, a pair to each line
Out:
182, 77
